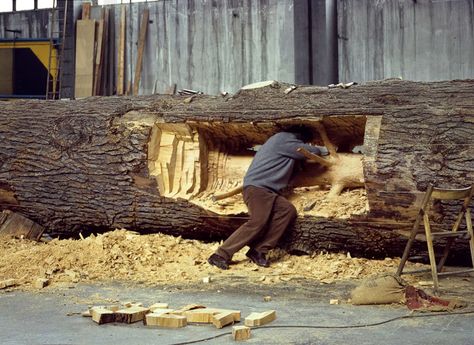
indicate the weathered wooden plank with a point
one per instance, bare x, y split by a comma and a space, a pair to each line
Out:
85, 37
121, 52
141, 49
16, 225
99, 54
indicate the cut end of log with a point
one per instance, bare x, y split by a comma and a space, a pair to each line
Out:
205, 162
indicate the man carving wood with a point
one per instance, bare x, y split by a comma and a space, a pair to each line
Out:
270, 213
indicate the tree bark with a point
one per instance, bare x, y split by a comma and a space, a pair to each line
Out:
84, 165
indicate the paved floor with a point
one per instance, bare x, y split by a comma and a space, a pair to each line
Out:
304, 316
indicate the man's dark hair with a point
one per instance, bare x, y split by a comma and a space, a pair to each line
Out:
302, 132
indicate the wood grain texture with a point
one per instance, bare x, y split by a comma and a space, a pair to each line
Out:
121, 52
85, 38
78, 165
141, 48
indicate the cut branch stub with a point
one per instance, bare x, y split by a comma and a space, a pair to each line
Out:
324, 137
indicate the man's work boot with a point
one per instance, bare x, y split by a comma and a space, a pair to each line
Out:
258, 258
218, 261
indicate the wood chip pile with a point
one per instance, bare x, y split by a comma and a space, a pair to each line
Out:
162, 259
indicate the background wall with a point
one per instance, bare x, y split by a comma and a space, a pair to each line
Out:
215, 46
220, 45
32, 24
422, 40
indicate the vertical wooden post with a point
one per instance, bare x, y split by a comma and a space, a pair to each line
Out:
101, 82
111, 75
141, 48
121, 53
100, 29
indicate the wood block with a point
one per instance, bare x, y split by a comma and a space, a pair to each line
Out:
158, 306
7, 283
240, 332
199, 315
235, 313
166, 320
131, 315
150, 319
102, 315
17, 225
114, 308
223, 319
157, 312
41, 283
205, 315
188, 307
86, 313
260, 319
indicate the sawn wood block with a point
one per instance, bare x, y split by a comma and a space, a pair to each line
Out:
223, 319
131, 315
166, 320
240, 332
260, 319
102, 315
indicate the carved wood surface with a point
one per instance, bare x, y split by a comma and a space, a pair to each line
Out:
76, 165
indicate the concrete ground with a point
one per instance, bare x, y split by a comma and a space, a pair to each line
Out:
304, 315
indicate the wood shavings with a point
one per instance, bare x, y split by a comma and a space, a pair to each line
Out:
163, 259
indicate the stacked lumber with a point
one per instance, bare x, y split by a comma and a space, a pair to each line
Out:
95, 53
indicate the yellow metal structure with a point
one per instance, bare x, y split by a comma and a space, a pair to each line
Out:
41, 49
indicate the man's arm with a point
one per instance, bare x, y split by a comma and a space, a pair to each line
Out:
317, 150
290, 149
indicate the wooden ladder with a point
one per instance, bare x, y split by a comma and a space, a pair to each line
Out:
56, 50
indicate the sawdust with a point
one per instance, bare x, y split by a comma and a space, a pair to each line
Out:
161, 259
347, 204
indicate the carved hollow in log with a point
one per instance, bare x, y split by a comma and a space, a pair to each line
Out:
205, 162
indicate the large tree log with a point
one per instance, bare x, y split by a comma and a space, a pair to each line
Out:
152, 163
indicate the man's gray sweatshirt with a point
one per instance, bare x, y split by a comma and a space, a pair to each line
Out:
272, 166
